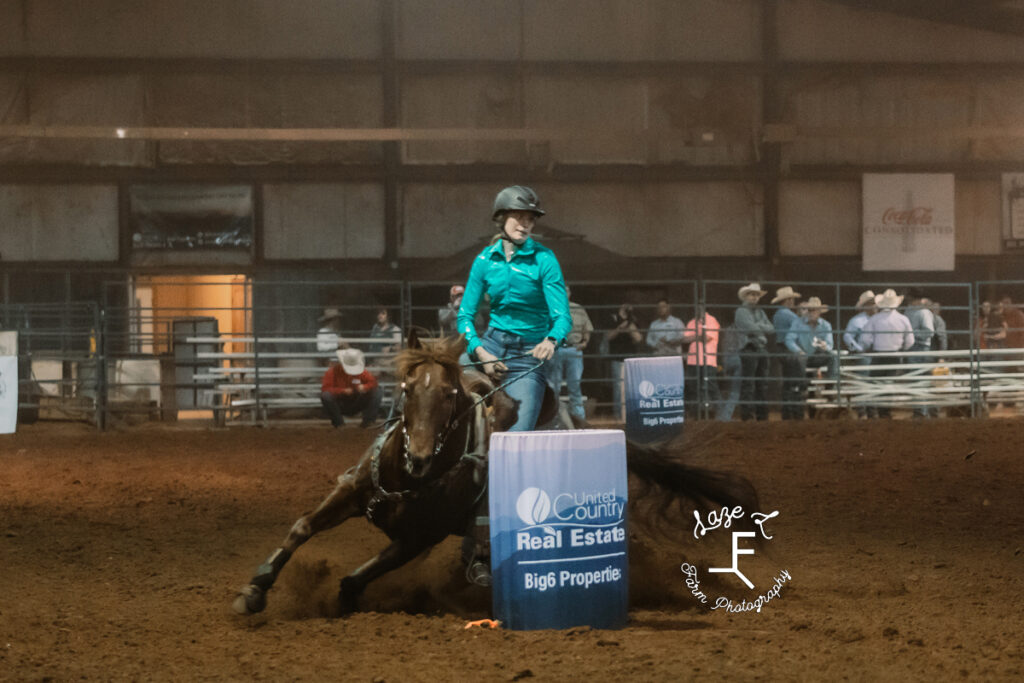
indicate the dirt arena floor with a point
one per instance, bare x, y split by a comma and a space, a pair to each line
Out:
120, 554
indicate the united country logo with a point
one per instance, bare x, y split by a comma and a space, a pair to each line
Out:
533, 506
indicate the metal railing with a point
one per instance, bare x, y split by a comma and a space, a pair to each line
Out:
106, 360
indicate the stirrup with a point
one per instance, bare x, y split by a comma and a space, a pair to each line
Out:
478, 573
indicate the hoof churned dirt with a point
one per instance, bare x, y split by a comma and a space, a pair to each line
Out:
121, 552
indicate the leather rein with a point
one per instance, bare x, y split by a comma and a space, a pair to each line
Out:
473, 451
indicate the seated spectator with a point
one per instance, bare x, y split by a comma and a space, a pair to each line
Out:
810, 341
385, 329
665, 335
348, 388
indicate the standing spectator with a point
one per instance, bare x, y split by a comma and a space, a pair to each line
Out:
994, 328
923, 323
447, 317
1014, 319
852, 339
348, 388
981, 324
810, 342
941, 339
328, 337
624, 341
791, 363
568, 362
665, 334
385, 329
753, 326
886, 331
729, 352
701, 334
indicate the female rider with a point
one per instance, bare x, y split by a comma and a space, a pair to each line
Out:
529, 307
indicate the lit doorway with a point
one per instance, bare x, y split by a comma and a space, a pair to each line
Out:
160, 300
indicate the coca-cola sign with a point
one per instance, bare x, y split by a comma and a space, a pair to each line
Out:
909, 221
919, 215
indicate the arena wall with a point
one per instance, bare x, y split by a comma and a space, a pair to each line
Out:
683, 98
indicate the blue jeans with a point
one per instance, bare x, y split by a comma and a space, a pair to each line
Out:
568, 364
923, 410
732, 369
528, 391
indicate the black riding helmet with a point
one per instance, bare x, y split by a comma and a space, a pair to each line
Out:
516, 198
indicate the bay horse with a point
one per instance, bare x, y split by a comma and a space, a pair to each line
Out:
422, 478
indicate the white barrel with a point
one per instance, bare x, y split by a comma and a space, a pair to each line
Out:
8, 394
558, 528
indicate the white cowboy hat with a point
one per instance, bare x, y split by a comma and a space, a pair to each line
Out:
352, 361
330, 314
814, 303
888, 299
783, 293
866, 298
752, 287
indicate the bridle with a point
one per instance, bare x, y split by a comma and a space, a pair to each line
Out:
441, 437
471, 453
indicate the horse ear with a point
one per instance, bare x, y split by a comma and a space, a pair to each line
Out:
413, 340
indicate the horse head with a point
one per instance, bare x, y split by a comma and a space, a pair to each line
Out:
431, 382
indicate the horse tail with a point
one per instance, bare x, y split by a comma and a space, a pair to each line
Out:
669, 483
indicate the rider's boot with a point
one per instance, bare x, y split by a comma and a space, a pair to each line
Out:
476, 546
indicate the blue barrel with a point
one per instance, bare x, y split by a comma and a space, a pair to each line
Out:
558, 529
654, 398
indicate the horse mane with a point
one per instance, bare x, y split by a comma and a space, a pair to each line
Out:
445, 352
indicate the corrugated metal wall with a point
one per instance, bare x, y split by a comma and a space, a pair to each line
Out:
678, 85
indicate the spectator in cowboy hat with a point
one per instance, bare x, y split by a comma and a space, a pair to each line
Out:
809, 340
753, 327
922, 320
348, 388
328, 337
886, 331
851, 338
791, 364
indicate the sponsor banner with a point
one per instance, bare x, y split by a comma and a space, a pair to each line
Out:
8, 394
908, 221
558, 528
654, 398
8, 343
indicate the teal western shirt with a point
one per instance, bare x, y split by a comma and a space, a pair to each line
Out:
527, 294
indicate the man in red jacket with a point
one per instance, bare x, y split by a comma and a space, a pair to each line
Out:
348, 388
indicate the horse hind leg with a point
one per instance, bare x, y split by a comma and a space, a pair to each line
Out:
335, 509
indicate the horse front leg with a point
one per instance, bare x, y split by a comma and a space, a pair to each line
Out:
394, 556
345, 501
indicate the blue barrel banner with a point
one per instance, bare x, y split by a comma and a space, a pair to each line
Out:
558, 529
654, 398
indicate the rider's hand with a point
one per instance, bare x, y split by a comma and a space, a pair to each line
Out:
543, 351
494, 368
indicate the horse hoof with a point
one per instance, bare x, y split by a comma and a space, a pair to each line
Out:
346, 598
250, 600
